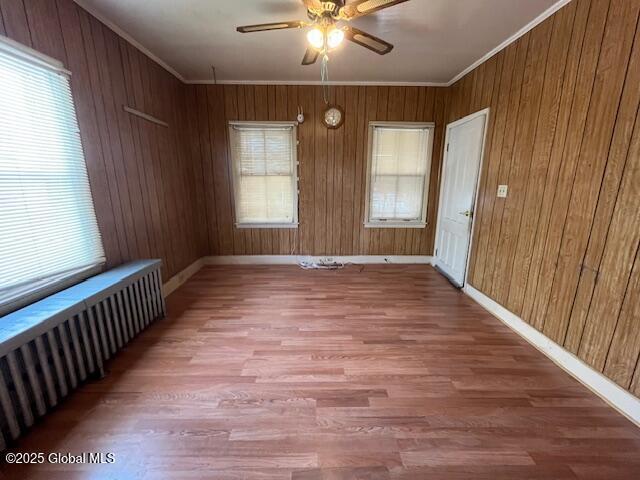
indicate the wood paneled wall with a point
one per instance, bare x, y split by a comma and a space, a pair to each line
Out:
562, 250
140, 173
332, 166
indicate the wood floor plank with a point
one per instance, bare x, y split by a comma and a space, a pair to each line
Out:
381, 372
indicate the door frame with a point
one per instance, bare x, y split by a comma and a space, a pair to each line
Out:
486, 112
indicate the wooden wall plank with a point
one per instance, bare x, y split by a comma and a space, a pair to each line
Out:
359, 192
349, 173
14, 19
45, 29
635, 385
624, 352
320, 178
306, 158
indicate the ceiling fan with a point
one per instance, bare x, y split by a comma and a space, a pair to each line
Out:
326, 34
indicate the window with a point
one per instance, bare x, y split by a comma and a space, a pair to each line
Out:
398, 174
264, 174
48, 228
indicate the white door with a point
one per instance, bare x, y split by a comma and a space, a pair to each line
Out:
462, 158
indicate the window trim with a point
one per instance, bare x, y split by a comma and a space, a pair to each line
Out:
295, 165
47, 286
29, 55
424, 221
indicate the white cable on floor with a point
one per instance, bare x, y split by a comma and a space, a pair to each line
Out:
311, 265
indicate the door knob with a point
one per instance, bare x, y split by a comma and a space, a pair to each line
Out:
468, 213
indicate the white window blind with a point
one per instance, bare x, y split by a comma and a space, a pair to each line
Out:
48, 228
264, 171
399, 164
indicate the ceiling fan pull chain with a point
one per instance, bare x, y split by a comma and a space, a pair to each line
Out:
324, 73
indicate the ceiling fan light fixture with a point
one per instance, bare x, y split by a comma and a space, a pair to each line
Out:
315, 37
335, 37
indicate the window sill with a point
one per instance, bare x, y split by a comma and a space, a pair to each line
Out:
22, 296
266, 225
395, 225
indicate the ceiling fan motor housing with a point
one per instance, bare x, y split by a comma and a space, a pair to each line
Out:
327, 9
331, 7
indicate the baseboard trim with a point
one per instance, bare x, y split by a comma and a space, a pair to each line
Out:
616, 396
296, 259
180, 278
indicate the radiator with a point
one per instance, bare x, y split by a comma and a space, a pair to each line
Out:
51, 347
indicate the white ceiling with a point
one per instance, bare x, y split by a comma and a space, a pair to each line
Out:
434, 39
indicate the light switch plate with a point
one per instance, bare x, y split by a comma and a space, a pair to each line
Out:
502, 191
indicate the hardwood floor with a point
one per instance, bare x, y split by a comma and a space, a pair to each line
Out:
385, 372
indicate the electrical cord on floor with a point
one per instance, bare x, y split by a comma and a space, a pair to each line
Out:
308, 265
311, 265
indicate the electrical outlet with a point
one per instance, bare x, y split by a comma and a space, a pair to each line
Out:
502, 191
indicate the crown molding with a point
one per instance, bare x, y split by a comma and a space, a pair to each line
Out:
523, 31
129, 38
316, 82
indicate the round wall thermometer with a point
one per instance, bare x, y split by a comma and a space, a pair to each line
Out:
333, 117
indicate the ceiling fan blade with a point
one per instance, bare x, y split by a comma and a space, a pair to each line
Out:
310, 56
264, 27
367, 40
360, 8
